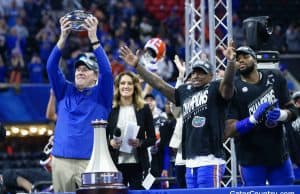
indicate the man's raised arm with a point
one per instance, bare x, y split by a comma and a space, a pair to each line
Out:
227, 84
154, 80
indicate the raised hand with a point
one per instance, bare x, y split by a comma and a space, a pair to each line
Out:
229, 52
180, 66
128, 56
91, 25
65, 28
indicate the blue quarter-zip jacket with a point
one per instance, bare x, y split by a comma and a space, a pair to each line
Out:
73, 132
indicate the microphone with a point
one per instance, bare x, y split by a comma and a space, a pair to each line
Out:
117, 135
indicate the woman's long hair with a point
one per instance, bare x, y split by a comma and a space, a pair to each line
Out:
137, 100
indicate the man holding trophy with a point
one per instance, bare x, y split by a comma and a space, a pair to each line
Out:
79, 103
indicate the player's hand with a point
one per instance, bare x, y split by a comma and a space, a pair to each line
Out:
276, 114
180, 65
260, 111
128, 56
229, 52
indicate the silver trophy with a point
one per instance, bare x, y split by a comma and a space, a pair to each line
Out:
101, 175
77, 18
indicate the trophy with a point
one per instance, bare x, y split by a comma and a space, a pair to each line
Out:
101, 174
77, 18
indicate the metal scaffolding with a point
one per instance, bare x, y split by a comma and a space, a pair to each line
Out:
219, 17
194, 30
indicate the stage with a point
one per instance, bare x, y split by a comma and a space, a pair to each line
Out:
233, 190
293, 189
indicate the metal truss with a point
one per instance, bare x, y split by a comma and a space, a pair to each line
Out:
220, 32
194, 30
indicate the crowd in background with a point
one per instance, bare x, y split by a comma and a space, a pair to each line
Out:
29, 29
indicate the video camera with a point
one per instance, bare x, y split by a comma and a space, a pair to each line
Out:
257, 31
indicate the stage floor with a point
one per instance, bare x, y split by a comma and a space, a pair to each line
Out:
292, 189
236, 190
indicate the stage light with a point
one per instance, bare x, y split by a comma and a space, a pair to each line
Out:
15, 130
24, 132
49, 132
42, 131
257, 31
33, 129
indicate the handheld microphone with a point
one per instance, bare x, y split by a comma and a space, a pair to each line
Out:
117, 135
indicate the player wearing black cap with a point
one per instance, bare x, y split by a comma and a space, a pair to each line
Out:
203, 104
259, 108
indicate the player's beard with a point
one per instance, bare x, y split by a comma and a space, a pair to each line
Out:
246, 71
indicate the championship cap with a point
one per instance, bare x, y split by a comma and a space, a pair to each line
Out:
245, 50
204, 65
